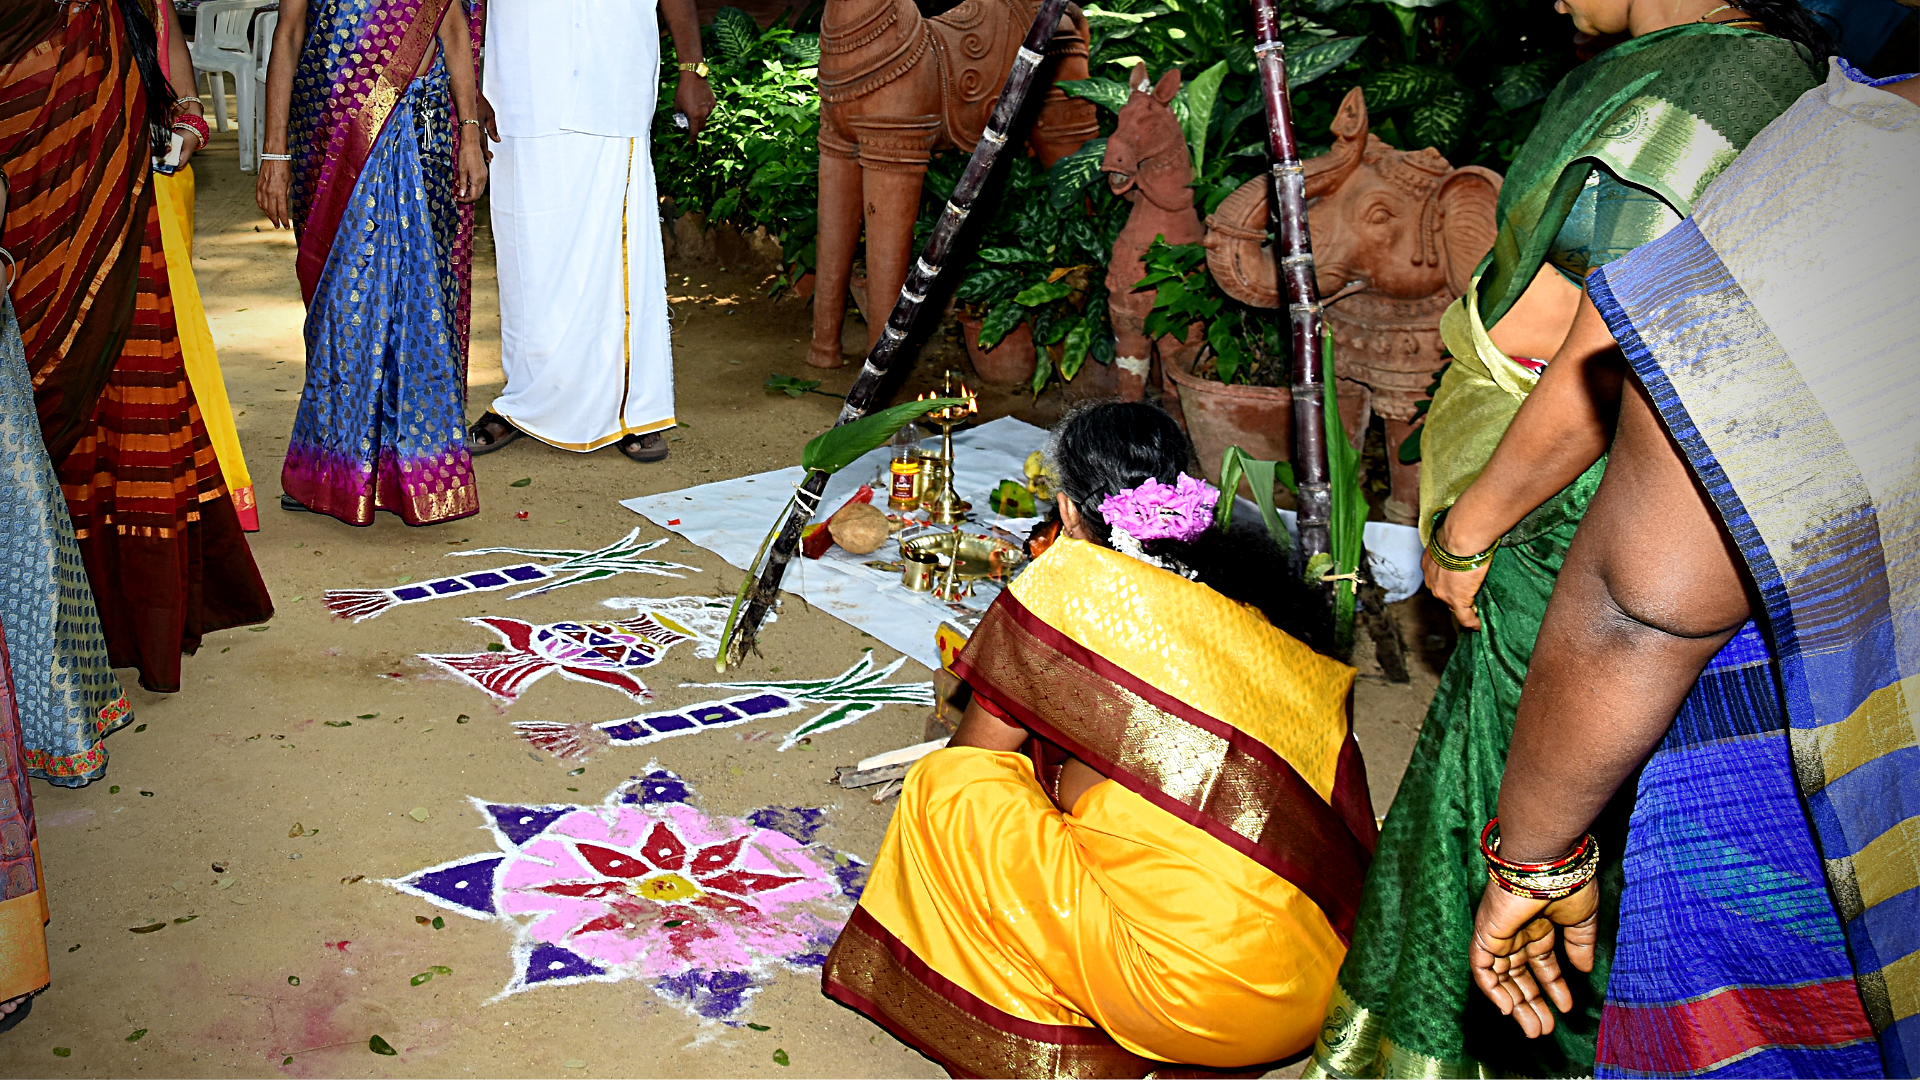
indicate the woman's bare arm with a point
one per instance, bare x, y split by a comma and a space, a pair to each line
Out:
1562, 428
274, 188
1539, 321
456, 45
180, 76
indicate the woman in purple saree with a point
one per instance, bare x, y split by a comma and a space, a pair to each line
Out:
372, 139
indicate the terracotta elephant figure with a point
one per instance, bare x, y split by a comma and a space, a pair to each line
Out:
1396, 237
896, 87
1147, 163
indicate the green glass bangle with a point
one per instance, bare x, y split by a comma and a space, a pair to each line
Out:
1447, 560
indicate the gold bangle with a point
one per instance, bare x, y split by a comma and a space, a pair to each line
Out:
1447, 560
697, 67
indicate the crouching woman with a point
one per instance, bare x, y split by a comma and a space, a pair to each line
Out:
1145, 844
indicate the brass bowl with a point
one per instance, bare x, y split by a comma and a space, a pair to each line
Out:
977, 554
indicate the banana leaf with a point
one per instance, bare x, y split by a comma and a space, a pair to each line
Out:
836, 448
1260, 476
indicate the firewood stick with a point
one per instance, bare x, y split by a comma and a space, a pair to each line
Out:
920, 279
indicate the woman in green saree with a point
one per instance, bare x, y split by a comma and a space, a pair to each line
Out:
1624, 145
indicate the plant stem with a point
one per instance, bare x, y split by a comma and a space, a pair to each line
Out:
926, 269
1288, 207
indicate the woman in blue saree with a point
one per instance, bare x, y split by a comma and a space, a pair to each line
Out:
393, 171
1737, 620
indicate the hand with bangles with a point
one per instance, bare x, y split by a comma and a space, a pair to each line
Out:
1526, 911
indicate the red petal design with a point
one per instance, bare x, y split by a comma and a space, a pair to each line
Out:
662, 849
586, 890
609, 921
718, 857
742, 883
612, 863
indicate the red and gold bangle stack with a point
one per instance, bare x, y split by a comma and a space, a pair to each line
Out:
186, 121
1554, 880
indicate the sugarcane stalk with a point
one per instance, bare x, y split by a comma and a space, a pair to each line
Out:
1287, 205
913, 294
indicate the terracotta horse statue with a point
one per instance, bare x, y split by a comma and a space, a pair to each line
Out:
1148, 165
896, 87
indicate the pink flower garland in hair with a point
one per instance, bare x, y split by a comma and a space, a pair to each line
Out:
1179, 511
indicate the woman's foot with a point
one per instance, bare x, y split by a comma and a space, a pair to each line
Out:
292, 505
12, 1012
489, 433
645, 448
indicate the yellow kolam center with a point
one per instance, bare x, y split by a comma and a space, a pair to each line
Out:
665, 888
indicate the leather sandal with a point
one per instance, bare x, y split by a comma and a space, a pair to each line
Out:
292, 505
489, 433
646, 448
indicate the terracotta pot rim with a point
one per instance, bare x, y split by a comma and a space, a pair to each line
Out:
1214, 386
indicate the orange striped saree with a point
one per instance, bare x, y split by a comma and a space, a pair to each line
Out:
1191, 911
155, 522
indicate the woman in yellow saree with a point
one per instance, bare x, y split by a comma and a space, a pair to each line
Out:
1145, 843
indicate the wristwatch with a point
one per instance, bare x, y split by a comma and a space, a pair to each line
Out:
698, 67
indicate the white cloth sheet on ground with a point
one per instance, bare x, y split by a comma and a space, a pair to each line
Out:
731, 517
584, 336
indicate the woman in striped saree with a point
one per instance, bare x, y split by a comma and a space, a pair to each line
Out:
1512, 452
156, 526
1737, 621
1168, 873
373, 154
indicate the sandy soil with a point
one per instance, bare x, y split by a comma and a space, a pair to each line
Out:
222, 772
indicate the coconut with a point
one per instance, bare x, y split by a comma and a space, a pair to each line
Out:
859, 528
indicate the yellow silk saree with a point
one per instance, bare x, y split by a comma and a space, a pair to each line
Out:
1193, 910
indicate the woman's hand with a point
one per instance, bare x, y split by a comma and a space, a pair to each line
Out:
488, 120
273, 190
1456, 589
189, 142
473, 165
1512, 951
694, 98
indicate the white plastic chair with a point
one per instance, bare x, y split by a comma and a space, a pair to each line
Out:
263, 27
220, 47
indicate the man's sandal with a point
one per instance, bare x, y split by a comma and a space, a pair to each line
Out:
646, 448
489, 433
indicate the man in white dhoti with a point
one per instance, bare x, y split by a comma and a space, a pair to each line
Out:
576, 224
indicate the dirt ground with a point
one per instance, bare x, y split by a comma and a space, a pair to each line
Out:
339, 729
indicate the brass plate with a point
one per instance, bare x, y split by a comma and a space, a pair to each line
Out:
976, 554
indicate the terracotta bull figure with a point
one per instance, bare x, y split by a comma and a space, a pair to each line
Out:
896, 87
1147, 164
1396, 237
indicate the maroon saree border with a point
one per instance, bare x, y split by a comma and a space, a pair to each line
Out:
874, 973
362, 131
1321, 848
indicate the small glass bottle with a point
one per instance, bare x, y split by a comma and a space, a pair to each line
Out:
902, 494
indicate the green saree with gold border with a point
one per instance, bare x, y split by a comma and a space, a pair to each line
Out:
1654, 119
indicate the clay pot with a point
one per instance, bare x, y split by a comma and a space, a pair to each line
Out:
1257, 419
1010, 363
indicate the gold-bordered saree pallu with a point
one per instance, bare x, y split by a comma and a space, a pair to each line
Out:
1192, 912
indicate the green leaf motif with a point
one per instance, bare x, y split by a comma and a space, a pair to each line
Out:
1044, 293
735, 31
1439, 122
1106, 93
1310, 62
1407, 84
1000, 322
1071, 174
836, 448
380, 1046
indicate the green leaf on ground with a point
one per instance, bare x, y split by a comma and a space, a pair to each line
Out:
62, 1051
419, 813
576, 772
439, 923
494, 646
365, 715
462, 718
293, 980
138, 1034
759, 1027
788, 385
441, 969
339, 723
780, 1058
148, 929
522, 482
138, 728
147, 793
114, 790
423, 977
185, 919
379, 1046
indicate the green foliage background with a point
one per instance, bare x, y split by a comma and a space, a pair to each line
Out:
1464, 76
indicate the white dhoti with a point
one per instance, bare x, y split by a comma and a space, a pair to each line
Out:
576, 224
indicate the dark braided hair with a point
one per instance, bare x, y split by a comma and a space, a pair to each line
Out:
1104, 448
143, 41
1795, 22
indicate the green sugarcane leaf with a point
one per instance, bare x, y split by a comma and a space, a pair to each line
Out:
1260, 476
836, 448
